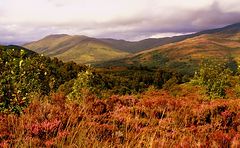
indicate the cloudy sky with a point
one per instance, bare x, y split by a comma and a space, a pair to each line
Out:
28, 20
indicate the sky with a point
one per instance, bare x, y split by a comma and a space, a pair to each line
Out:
29, 20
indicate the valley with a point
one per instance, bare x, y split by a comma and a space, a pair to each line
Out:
78, 91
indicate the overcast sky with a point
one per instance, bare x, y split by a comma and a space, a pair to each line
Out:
28, 20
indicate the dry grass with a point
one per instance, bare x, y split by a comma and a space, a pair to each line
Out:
196, 48
153, 119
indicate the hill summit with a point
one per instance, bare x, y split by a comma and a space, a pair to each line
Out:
169, 51
80, 49
223, 43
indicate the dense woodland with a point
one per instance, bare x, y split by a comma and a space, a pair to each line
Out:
45, 102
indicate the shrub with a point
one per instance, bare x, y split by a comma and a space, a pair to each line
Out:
13, 82
87, 83
214, 76
66, 88
23, 74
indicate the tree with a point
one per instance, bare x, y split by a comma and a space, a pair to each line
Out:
214, 76
87, 83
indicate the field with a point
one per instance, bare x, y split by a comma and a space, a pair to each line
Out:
47, 103
119, 74
154, 118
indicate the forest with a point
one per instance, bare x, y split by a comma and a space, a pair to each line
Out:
45, 102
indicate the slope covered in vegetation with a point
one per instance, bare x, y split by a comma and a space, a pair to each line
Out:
24, 73
186, 54
47, 103
80, 49
152, 119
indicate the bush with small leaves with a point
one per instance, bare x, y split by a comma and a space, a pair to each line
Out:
12, 94
214, 76
87, 83
23, 74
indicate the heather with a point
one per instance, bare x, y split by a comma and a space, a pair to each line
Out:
47, 103
152, 119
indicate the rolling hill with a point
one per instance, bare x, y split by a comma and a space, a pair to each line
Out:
142, 45
221, 43
179, 51
83, 49
138, 46
80, 49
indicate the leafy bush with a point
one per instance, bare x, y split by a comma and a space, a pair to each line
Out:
138, 80
87, 83
214, 76
13, 90
23, 74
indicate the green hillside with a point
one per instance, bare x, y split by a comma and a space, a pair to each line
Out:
221, 43
91, 50
179, 52
142, 45
83, 49
138, 46
80, 49
45, 102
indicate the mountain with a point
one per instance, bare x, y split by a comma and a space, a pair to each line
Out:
230, 29
142, 45
178, 51
80, 49
137, 46
184, 55
83, 49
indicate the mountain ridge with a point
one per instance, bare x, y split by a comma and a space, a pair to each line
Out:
223, 43
93, 50
77, 48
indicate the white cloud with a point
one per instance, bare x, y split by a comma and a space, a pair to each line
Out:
129, 19
161, 35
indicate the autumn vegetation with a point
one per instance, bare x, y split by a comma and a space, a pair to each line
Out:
47, 103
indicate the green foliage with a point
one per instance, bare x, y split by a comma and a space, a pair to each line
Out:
214, 76
23, 74
161, 77
237, 90
136, 80
12, 89
83, 82
87, 83
66, 88
106, 83
170, 83
232, 64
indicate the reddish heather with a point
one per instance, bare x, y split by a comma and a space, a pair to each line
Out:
152, 119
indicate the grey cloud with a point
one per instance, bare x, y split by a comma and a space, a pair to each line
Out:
214, 17
138, 27
183, 21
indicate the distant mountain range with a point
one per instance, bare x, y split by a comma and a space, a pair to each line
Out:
80, 49
66, 41
221, 43
178, 51
83, 49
